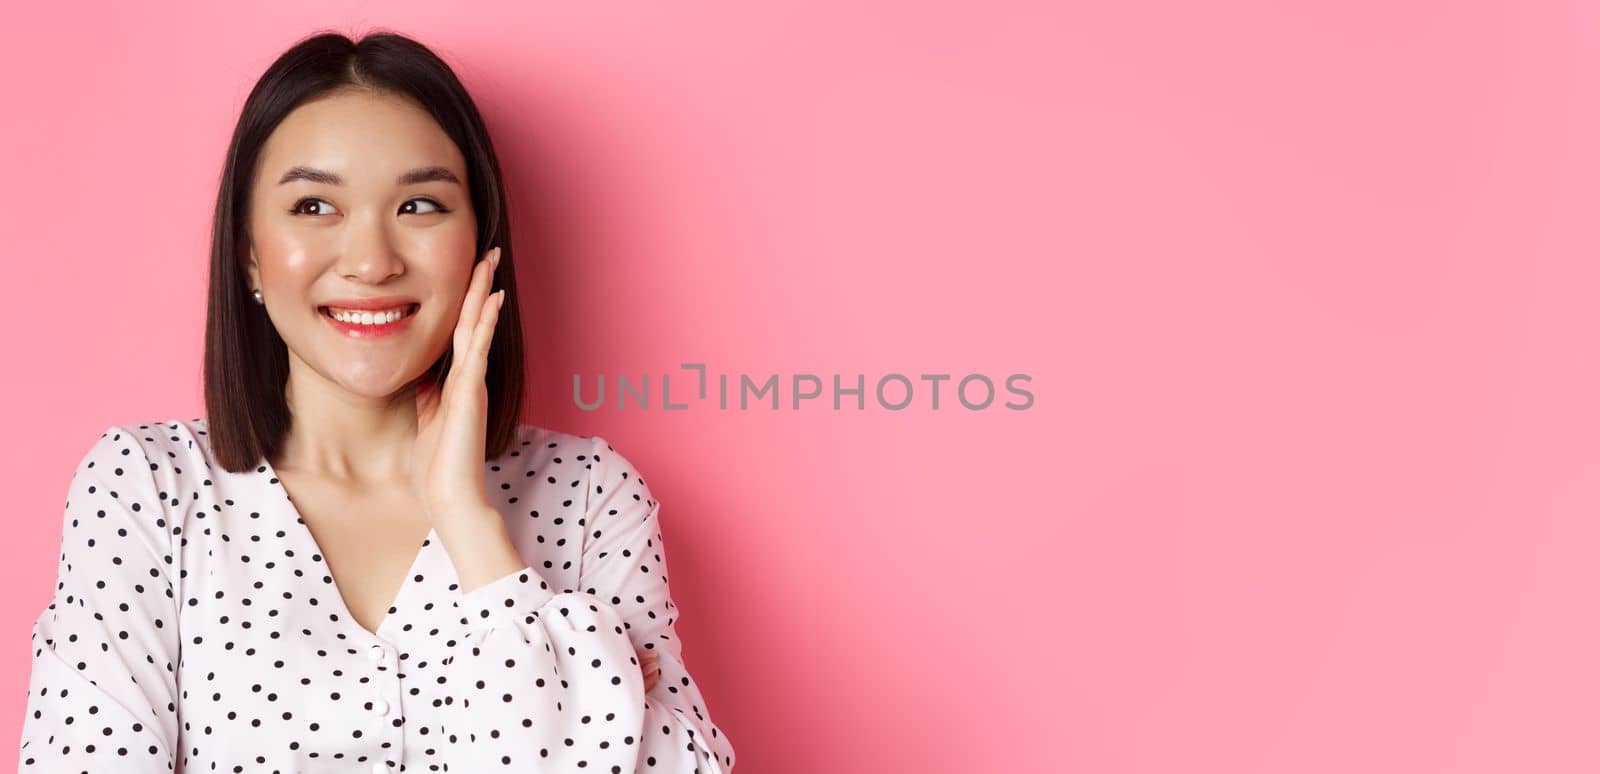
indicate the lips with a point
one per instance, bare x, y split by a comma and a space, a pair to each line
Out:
408, 309
370, 304
370, 331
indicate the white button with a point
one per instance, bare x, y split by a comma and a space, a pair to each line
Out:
379, 706
375, 655
381, 767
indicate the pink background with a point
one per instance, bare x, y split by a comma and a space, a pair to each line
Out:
1307, 292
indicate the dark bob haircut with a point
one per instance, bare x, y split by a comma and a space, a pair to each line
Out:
246, 361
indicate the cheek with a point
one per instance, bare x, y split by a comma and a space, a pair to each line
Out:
445, 254
287, 272
283, 255
447, 266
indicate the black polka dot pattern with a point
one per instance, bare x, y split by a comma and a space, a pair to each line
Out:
195, 627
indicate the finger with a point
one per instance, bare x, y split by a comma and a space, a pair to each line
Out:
471, 367
484, 335
477, 294
472, 304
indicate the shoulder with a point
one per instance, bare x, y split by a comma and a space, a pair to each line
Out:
145, 441
541, 442
608, 470
155, 458
612, 465
112, 454
530, 438
615, 483
163, 441
118, 489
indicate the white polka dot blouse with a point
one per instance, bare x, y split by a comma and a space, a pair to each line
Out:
195, 627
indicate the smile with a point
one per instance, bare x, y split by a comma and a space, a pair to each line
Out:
363, 324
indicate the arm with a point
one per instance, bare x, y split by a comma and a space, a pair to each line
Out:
625, 565
561, 668
102, 692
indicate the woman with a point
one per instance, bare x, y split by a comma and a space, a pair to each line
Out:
359, 560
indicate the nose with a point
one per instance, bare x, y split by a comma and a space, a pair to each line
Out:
369, 256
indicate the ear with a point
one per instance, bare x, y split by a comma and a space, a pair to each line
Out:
254, 269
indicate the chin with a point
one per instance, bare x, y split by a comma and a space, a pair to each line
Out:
369, 385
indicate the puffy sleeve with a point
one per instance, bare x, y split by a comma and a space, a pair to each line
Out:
102, 693
553, 679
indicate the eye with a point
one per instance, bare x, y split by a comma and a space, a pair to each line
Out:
321, 204
437, 207
295, 210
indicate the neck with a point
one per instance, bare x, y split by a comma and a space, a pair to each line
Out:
344, 436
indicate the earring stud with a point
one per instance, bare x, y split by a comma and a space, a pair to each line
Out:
257, 295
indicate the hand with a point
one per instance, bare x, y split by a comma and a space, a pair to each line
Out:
452, 421
650, 664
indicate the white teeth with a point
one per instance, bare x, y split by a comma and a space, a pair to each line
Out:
369, 318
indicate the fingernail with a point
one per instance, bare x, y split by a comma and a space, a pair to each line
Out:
494, 258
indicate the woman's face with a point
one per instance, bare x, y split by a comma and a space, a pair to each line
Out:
361, 196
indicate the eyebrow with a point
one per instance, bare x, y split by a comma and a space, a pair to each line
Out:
412, 177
